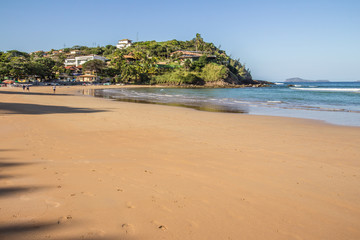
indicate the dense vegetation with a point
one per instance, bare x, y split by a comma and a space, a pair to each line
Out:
148, 62
20, 65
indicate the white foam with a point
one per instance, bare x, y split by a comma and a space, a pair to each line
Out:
328, 89
240, 101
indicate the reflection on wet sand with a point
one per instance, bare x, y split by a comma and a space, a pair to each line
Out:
188, 103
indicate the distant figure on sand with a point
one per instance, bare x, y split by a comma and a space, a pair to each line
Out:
54, 88
28, 87
24, 87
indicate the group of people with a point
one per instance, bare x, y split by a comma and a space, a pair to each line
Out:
27, 87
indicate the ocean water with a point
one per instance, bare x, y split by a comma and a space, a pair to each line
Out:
332, 102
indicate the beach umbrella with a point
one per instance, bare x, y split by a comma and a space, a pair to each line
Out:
8, 81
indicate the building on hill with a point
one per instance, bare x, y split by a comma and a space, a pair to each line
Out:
38, 52
77, 61
87, 78
124, 43
75, 52
70, 62
129, 58
74, 71
83, 59
192, 55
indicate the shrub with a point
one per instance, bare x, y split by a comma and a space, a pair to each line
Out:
213, 72
178, 77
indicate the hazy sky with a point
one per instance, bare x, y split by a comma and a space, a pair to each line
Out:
312, 39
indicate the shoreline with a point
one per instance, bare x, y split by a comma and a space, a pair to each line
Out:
252, 108
75, 167
90, 91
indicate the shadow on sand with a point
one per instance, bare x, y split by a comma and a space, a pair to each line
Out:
25, 108
32, 93
8, 150
5, 162
43, 230
9, 230
12, 164
16, 229
14, 190
7, 191
4, 176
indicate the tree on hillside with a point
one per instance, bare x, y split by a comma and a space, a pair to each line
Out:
97, 51
15, 53
4, 70
48, 62
43, 67
187, 64
200, 63
109, 49
95, 65
18, 67
199, 42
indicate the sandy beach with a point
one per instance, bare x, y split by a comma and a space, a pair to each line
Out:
79, 167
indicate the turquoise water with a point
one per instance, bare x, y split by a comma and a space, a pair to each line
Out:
333, 102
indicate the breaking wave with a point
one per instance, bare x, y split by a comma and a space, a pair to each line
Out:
356, 90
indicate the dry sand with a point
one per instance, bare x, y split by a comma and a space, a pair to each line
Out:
78, 167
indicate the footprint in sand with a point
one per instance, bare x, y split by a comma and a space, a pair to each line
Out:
158, 225
192, 223
166, 209
94, 234
128, 228
52, 203
129, 205
64, 219
25, 198
88, 194
162, 227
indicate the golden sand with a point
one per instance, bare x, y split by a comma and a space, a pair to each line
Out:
78, 167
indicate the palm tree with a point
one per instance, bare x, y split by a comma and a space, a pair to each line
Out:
199, 41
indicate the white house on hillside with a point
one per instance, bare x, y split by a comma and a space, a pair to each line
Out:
124, 43
77, 61
70, 62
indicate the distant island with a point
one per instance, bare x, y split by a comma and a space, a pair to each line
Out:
173, 63
297, 79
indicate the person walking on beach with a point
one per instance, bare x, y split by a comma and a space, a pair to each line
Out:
24, 87
28, 88
54, 88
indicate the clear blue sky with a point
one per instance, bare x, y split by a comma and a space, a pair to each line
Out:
312, 39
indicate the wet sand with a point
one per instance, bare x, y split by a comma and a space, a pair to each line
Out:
78, 167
